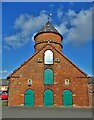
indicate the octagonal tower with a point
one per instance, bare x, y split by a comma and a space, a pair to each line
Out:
48, 34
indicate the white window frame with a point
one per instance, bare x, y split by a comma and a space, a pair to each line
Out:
48, 57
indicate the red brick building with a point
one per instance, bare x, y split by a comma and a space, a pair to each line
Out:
48, 78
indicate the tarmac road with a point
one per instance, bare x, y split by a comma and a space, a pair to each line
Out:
45, 112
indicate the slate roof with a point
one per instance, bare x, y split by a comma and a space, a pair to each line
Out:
48, 28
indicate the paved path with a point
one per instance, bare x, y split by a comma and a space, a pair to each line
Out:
45, 112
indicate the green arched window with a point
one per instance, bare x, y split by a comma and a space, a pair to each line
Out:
48, 76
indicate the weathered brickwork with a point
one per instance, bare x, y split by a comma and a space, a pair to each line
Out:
32, 69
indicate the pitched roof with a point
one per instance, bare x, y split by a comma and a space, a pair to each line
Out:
38, 52
48, 28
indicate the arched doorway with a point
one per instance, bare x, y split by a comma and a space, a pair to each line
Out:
67, 98
29, 98
48, 98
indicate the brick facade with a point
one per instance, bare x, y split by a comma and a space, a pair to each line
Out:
33, 69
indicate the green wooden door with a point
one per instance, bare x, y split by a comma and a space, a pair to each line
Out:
48, 76
67, 98
48, 98
29, 98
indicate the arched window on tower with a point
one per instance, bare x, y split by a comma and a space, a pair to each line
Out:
48, 57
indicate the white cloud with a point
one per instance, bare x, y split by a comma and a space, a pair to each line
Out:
75, 27
28, 23
62, 28
17, 40
71, 13
3, 71
59, 12
80, 30
25, 25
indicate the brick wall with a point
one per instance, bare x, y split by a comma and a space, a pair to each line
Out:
62, 70
45, 37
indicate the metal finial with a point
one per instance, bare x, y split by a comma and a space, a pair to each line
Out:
49, 15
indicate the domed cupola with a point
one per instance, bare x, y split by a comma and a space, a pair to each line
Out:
48, 34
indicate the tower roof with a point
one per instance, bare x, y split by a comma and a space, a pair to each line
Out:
48, 28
